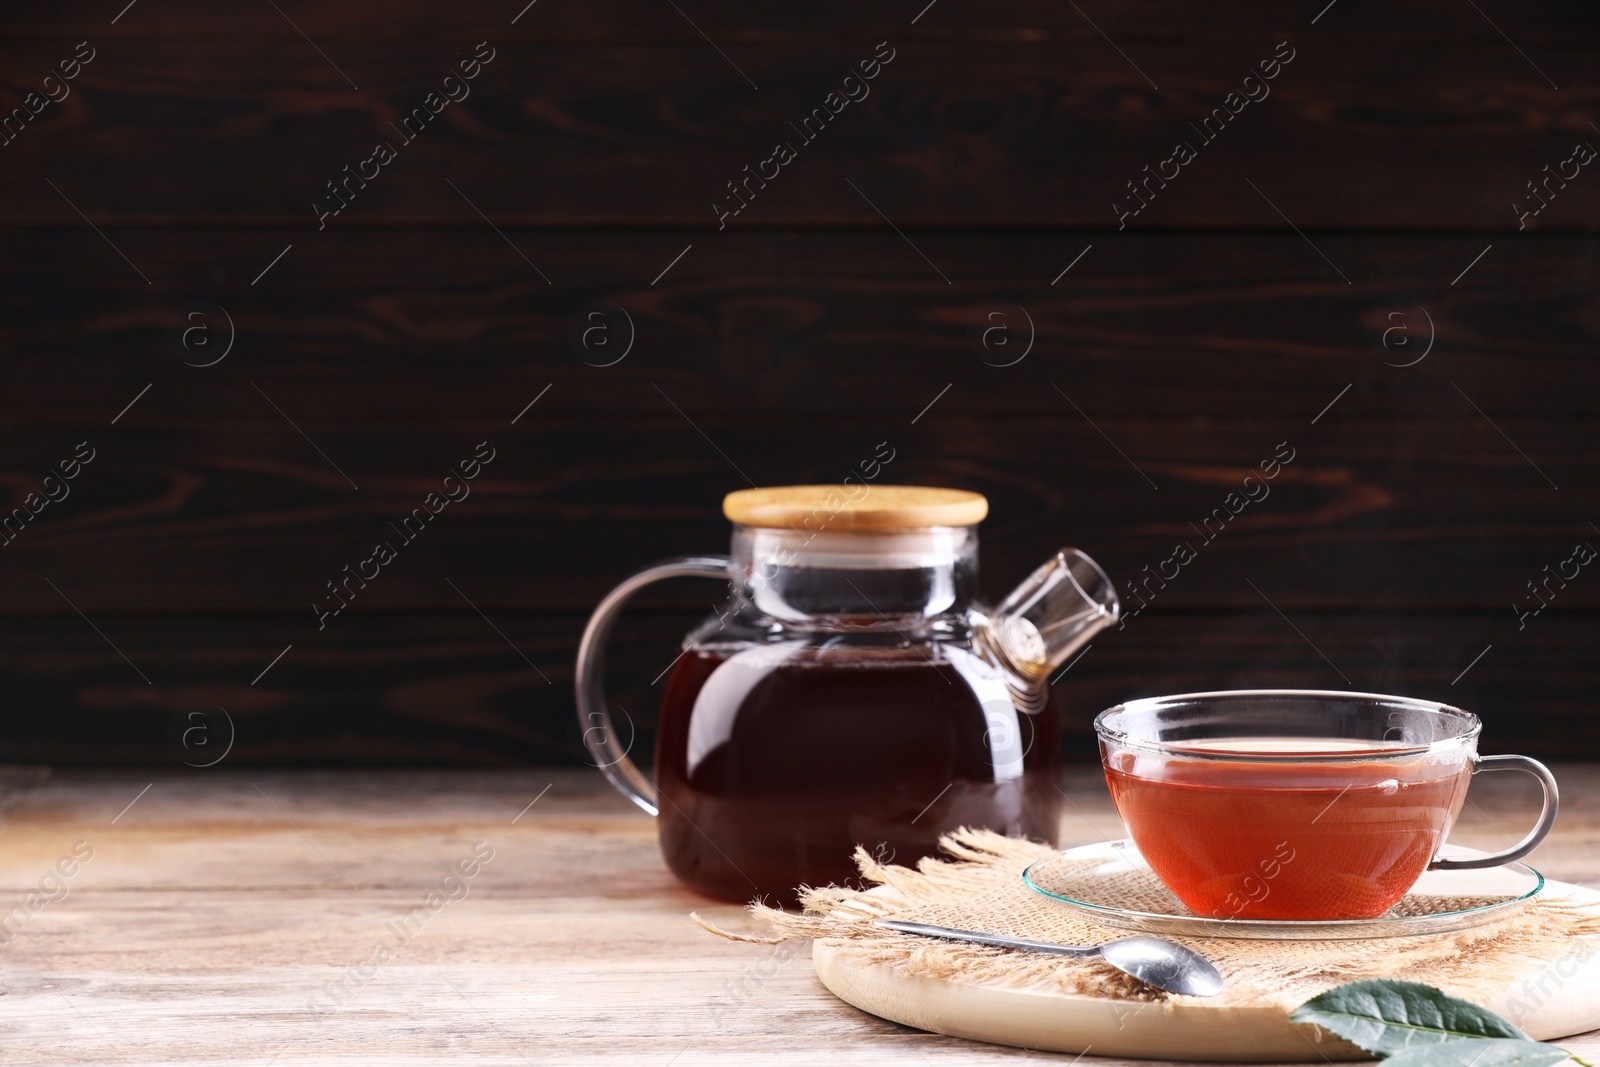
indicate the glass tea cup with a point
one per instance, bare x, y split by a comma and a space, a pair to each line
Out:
1298, 804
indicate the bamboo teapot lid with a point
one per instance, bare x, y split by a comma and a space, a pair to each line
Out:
855, 507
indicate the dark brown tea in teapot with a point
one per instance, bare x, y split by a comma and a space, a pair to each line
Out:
774, 762
852, 690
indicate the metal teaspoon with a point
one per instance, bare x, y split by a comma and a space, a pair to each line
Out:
1152, 960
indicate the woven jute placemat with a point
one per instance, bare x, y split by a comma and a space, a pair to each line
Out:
980, 887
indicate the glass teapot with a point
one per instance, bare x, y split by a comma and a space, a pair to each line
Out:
851, 690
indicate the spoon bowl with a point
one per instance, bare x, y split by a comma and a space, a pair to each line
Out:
1164, 964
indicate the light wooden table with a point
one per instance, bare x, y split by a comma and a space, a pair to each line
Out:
229, 917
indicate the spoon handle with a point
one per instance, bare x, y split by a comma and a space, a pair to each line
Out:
998, 940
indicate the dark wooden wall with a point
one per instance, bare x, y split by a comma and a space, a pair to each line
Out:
1276, 290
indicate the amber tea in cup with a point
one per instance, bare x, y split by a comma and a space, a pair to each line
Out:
1293, 804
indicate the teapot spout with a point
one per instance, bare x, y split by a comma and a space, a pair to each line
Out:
1048, 618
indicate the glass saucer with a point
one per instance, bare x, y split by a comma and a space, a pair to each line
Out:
1111, 885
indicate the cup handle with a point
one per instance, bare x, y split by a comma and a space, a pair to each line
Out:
1547, 817
594, 718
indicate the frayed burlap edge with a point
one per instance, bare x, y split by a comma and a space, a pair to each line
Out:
980, 887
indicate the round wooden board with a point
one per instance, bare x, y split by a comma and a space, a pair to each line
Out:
1180, 1029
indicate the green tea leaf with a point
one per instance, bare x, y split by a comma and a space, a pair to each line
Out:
1384, 1016
1481, 1052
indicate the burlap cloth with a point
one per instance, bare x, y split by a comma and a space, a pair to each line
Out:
981, 888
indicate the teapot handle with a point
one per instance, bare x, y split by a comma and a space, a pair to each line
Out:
593, 716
